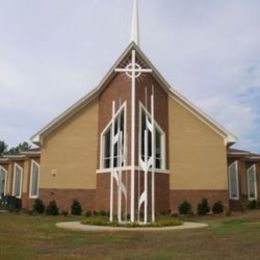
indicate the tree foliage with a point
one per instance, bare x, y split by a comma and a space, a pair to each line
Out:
3, 147
22, 147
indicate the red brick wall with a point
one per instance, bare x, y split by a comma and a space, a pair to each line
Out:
64, 198
103, 192
195, 196
144, 85
118, 90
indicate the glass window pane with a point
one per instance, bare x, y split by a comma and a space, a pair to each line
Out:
34, 179
17, 185
2, 182
158, 141
233, 181
251, 183
106, 139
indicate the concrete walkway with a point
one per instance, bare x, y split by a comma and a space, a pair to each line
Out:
77, 226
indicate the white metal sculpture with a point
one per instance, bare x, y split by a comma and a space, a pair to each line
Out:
147, 164
116, 170
133, 70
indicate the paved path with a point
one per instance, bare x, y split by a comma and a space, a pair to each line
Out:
77, 226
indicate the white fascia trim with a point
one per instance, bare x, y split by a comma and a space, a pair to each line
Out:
36, 138
14, 179
229, 138
206, 119
4, 160
5, 172
31, 153
237, 182
33, 162
14, 156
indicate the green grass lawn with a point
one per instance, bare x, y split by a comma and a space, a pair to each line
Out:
36, 237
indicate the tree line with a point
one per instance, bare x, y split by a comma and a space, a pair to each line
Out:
22, 147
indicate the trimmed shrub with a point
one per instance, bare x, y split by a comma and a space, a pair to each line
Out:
52, 209
185, 208
104, 221
165, 212
88, 214
218, 207
11, 203
38, 206
203, 207
252, 204
76, 208
95, 213
65, 213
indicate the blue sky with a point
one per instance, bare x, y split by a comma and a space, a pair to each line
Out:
52, 52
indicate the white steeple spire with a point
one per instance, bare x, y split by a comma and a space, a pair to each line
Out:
135, 24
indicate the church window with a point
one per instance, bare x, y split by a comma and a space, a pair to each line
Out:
17, 181
159, 141
106, 142
233, 181
34, 179
251, 183
3, 174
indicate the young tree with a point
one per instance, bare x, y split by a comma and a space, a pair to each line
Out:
22, 147
3, 147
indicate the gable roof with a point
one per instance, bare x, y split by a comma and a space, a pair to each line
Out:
229, 137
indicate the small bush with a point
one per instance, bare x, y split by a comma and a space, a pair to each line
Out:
166, 212
167, 222
88, 214
104, 221
65, 213
95, 213
102, 213
252, 204
76, 208
203, 207
52, 209
96, 221
11, 203
30, 212
185, 208
38, 206
218, 207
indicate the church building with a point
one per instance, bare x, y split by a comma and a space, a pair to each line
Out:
133, 146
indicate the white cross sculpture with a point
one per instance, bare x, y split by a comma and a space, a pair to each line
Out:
133, 70
116, 170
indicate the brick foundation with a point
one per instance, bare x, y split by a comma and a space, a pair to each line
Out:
195, 196
65, 197
161, 191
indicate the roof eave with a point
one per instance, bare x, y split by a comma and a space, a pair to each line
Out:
229, 138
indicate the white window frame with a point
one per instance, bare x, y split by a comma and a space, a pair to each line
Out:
33, 162
16, 165
237, 182
102, 137
5, 173
255, 183
163, 137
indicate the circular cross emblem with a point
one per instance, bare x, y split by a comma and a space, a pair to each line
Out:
133, 70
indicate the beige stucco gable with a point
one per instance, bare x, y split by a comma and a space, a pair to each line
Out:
69, 153
197, 153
